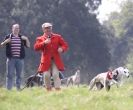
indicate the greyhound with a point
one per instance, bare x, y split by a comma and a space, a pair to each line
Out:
74, 79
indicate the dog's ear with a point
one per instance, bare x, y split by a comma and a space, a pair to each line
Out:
117, 72
124, 67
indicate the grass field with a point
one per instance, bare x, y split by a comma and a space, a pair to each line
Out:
71, 98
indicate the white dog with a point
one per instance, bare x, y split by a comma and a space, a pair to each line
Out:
121, 73
74, 79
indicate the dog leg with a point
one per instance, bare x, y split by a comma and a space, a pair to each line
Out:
113, 81
92, 84
107, 85
69, 81
99, 85
29, 82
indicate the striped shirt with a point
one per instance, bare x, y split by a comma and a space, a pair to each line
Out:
15, 46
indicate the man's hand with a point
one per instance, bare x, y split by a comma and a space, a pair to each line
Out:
5, 42
60, 50
47, 41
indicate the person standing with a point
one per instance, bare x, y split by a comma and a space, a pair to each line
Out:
15, 53
51, 46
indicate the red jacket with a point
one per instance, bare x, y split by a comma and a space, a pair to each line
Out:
50, 51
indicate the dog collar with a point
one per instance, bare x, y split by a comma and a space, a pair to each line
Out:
109, 75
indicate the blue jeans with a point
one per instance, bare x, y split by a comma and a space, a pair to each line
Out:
14, 65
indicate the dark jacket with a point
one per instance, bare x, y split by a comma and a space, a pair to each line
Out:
8, 47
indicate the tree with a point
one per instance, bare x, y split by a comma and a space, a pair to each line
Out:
122, 24
75, 20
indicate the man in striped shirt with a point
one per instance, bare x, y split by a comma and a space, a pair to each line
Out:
15, 53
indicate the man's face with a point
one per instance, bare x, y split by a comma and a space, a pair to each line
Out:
47, 30
16, 29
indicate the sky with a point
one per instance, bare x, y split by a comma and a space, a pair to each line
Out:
107, 7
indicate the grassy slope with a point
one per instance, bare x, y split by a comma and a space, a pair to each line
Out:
71, 98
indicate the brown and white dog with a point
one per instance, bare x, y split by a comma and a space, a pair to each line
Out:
102, 80
74, 79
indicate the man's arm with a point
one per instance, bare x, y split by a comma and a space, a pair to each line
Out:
63, 45
5, 42
39, 44
27, 41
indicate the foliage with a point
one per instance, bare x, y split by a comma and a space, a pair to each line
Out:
122, 25
130, 61
71, 18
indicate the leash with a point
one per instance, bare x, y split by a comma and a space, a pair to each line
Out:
28, 82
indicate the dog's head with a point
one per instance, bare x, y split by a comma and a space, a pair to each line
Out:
126, 72
122, 70
77, 73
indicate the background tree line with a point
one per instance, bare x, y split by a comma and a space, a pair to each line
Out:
121, 27
93, 47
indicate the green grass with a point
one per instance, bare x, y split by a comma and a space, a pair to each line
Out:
71, 98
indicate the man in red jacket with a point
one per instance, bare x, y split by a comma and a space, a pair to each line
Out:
51, 45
